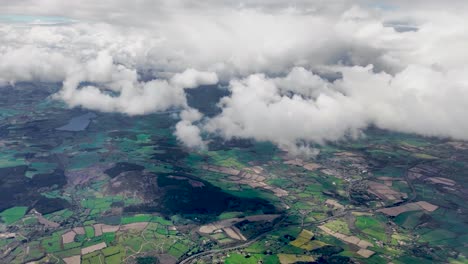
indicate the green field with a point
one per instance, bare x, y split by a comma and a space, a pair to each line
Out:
371, 226
11, 215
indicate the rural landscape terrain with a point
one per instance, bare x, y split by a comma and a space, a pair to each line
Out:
78, 186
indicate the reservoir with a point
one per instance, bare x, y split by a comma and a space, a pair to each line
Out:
78, 123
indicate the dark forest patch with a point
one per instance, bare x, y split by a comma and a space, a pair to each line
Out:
184, 194
172, 154
123, 167
18, 190
49, 179
49, 205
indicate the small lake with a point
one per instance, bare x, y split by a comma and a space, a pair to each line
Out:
78, 123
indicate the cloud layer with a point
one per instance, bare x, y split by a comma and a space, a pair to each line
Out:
302, 107
402, 65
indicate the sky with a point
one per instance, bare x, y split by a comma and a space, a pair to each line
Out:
298, 72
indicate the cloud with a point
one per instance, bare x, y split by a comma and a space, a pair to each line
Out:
258, 108
192, 78
188, 133
422, 100
418, 100
117, 56
28, 63
130, 95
